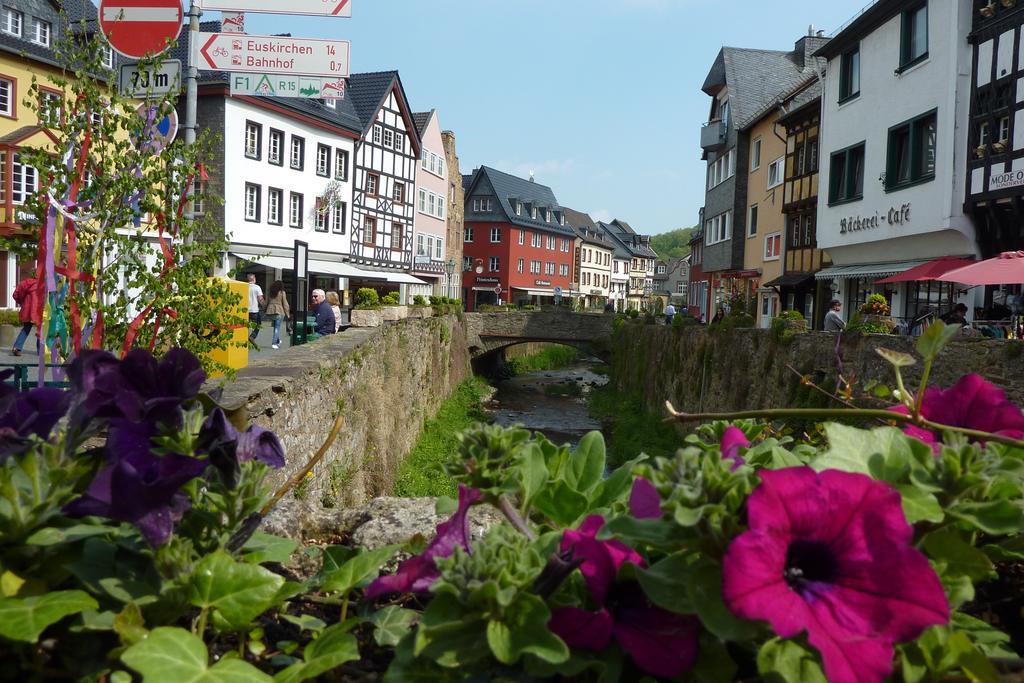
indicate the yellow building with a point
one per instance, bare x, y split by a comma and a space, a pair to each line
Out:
29, 31
765, 224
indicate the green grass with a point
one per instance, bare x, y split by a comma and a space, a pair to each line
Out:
632, 428
551, 358
422, 473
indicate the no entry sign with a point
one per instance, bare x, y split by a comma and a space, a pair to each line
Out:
136, 28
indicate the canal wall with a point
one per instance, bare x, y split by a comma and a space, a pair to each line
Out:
386, 381
710, 371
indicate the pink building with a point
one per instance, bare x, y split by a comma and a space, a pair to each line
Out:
431, 208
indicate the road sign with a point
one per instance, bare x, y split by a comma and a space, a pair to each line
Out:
232, 22
136, 81
274, 85
321, 8
558, 291
497, 290
136, 28
163, 131
273, 55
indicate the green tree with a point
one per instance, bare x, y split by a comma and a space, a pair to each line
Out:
672, 244
124, 262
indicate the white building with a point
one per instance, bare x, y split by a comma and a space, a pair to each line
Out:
431, 227
893, 150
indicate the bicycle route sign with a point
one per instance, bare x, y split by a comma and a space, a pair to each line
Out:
136, 28
288, 85
239, 53
322, 8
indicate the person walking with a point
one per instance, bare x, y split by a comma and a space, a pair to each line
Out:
26, 295
255, 301
277, 310
670, 312
833, 321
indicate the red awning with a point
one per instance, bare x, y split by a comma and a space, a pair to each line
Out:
932, 270
1005, 269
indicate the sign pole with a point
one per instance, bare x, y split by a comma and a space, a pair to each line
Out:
192, 79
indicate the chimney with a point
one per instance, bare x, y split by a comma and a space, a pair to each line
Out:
531, 176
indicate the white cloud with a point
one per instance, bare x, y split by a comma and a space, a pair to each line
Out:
602, 215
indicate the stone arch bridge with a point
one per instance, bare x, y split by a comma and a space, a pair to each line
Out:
490, 333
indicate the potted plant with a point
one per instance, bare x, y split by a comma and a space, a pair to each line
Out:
367, 311
393, 310
875, 315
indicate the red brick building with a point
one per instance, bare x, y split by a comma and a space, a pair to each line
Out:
517, 246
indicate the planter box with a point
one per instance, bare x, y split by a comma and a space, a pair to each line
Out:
366, 318
421, 312
394, 313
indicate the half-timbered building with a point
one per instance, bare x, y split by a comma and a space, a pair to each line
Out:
995, 155
384, 180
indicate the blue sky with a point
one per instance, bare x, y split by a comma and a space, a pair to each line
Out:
601, 99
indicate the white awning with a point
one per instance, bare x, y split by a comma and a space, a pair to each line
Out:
398, 278
278, 262
870, 270
342, 270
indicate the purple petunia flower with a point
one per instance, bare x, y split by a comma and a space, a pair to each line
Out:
733, 439
141, 489
257, 443
831, 554
30, 413
417, 574
973, 403
660, 642
228, 449
644, 500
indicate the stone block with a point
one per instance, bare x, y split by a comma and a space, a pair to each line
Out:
420, 312
394, 313
365, 318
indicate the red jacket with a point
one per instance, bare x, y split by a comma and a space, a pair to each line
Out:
26, 296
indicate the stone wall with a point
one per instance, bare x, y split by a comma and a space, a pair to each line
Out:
386, 380
702, 371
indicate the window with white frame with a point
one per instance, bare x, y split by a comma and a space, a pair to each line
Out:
12, 20
338, 215
722, 169
431, 203
533, 212
398, 193
481, 204
6, 97
438, 248
330, 103
775, 172
323, 160
535, 239
399, 141
467, 263
535, 267
389, 138
421, 245
397, 233
298, 155
40, 32
495, 234
51, 105
24, 179
340, 164
253, 133
549, 268
718, 228
275, 144
551, 242
421, 204
320, 217
752, 221
376, 134
563, 269
522, 237
772, 246
467, 234
198, 190
108, 56
274, 200
755, 154
520, 264
295, 210
252, 202
494, 264
372, 184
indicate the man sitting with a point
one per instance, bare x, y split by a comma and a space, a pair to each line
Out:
325, 323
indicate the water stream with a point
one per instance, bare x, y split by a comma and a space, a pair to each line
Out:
553, 402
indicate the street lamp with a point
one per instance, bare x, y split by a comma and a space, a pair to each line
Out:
449, 270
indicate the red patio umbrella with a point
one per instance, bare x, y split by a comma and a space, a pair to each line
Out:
1005, 269
928, 271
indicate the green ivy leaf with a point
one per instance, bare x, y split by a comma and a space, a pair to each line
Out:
130, 625
174, 654
586, 465
331, 649
25, 619
306, 622
959, 558
896, 358
238, 591
933, 339
998, 517
523, 629
705, 590
54, 536
920, 506
665, 582
785, 661
263, 547
391, 624
356, 570
850, 449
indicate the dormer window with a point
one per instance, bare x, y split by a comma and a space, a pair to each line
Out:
533, 212
518, 206
545, 215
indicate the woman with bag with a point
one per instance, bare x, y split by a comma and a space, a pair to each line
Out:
277, 309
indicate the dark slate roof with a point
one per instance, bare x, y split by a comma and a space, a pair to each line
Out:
624, 225
867, 20
421, 119
808, 96
578, 219
508, 187
619, 248
633, 242
77, 11
367, 91
343, 115
754, 77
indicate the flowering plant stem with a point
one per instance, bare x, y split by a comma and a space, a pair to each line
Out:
301, 474
837, 413
514, 518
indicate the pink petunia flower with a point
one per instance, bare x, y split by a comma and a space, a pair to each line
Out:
733, 439
973, 403
644, 500
418, 573
831, 554
660, 642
